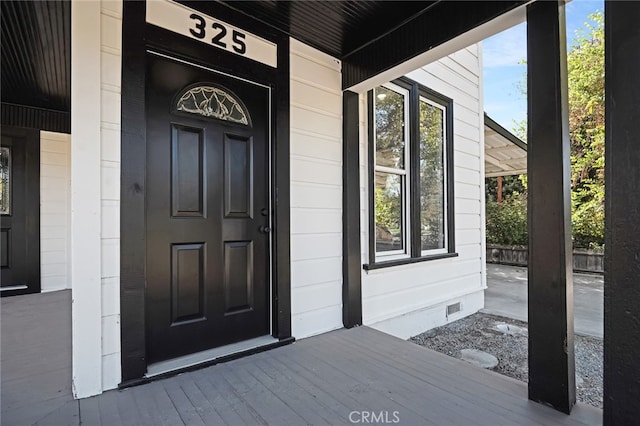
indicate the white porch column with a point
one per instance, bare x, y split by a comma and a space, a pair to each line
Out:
85, 198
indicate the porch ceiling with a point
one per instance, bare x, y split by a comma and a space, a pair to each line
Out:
36, 47
36, 54
337, 28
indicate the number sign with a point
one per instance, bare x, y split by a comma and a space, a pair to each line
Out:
183, 20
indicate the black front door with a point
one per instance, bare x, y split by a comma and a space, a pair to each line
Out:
207, 209
20, 211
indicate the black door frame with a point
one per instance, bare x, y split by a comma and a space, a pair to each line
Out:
137, 38
31, 139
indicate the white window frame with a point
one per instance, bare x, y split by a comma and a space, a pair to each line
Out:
405, 180
445, 172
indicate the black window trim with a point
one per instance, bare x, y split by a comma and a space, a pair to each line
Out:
416, 91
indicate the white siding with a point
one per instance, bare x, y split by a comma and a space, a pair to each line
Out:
95, 194
55, 213
406, 300
110, 78
316, 191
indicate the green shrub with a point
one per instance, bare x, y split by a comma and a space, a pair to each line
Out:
507, 221
587, 221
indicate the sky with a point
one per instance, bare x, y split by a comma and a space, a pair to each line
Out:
504, 70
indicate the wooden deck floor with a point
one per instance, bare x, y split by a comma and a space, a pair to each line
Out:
317, 381
35, 356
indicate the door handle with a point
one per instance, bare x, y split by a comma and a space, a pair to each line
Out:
265, 229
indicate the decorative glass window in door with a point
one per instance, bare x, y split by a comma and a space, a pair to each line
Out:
5, 180
211, 101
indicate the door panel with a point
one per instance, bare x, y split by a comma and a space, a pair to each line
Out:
187, 164
187, 283
20, 212
238, 276
238, 176
207, 169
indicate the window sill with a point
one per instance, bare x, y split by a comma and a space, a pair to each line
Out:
406, 261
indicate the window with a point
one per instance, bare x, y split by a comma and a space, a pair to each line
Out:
411, 193
5, 180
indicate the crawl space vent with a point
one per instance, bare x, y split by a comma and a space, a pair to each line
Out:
453, 309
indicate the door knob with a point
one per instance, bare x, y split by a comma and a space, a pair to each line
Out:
265, 229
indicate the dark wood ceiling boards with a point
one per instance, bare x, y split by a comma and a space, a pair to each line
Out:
334, 27
36, 54
368, 36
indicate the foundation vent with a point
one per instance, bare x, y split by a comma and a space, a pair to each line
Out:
453, 309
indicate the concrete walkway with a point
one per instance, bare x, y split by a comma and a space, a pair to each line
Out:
507, 296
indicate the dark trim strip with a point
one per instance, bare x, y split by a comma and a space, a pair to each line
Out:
493, 125
451, 183
371, 175
351, 272
443, 22
622, 214
221, 360
414, 166
550, 292
281, 194
406, 261
35, 118
132, 194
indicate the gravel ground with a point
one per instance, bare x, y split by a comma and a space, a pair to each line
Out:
479, 331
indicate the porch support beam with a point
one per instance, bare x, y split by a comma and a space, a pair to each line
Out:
437, 24
86, 308
551, 348
351, 260
622, 200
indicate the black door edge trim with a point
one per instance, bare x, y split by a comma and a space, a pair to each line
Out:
176, 58
138, 37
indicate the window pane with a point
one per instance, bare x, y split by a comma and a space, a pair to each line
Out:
432, 208
5, 180
389, 212
389, 119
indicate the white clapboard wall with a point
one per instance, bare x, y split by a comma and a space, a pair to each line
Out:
55, 213
407, 300
316, 191
110, 78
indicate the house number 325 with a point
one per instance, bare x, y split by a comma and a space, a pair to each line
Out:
220, 33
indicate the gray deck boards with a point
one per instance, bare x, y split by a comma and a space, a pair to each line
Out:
35, 359
316, 381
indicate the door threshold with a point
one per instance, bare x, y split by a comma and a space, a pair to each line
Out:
208, 356
14, 287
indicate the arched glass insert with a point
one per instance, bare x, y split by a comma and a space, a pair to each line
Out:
208, 100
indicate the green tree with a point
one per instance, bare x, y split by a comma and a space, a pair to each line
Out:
585, 66
585, 63
507, 221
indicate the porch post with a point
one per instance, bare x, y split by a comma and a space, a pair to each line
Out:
551, 349
622, 223
86, 311
351, 254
